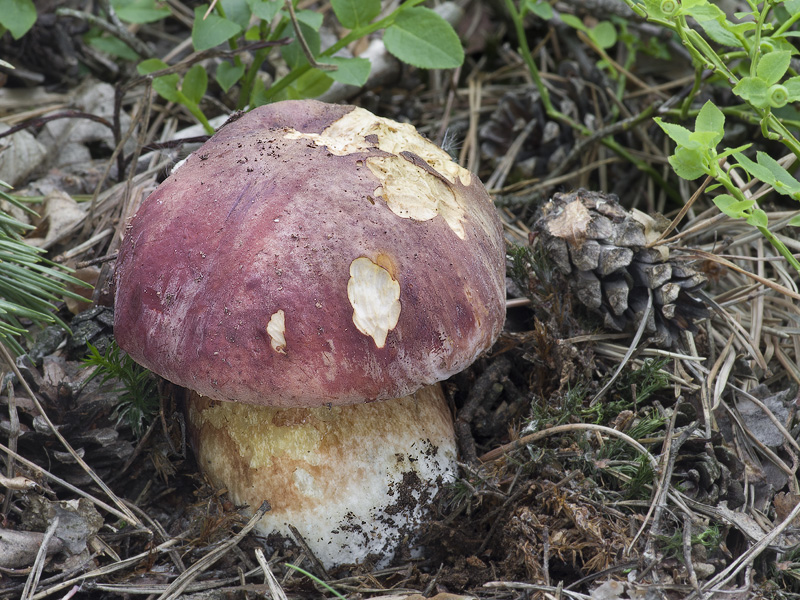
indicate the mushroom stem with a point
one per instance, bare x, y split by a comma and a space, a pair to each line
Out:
354, 480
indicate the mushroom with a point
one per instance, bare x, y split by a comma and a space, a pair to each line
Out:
310, 274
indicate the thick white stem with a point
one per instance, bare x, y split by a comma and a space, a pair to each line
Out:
353, 480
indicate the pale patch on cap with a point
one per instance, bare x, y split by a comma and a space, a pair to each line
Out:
349, 134
276, 328
412, 193
375, 297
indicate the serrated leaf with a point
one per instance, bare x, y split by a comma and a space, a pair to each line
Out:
678, 133
350, 71
150, 65
769, 170
139, 11
688, 163
783, 181
711, 119
713, 21
265, 9
211, 31
753, 168
195, 83
754, 90
758, 218
228, 74
18, 16
773, 66
354, 14
423, 39
735, 209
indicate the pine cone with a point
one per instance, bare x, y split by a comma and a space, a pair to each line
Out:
602, 248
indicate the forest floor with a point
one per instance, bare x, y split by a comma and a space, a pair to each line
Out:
604, 459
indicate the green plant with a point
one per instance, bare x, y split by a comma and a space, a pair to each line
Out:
139, 399
672, 545
29, 283
16, 17
632, 389
412, 33
601, 35
316, 580
753, 57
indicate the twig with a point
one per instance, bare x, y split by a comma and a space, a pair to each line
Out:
121, 33
631, 349
303, 44
316, 564
13, 435
37, 122
38, 564
747, 557
177, 587
540, 435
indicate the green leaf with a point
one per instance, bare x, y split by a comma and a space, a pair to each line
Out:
712, 120
707, 140
794, 221
167, 87
773, 66
769, 170
354, 14
541, 9
265, 9
309, 85
311, 18
139, 11
754, 90
604, 34
713, 21
689, 163
258, 95
758, 218
18, 16
351, 71
211, 31
228, 74
792, 6
678, 133
293, 53
574, 22
735, 209
150, 65
113, 46
793, 87
423, 39
195, 83
237, 11
783, 181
